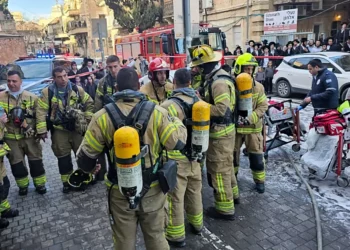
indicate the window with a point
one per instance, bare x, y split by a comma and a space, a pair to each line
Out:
212, 39
342, 61
180, 46
135, 47
157, 44
327, 64
101, 16
290, 62
301, 63
35, 69
150, 45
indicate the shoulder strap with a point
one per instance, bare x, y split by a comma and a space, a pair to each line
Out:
187, 108
138, 117
216, 77
51, 93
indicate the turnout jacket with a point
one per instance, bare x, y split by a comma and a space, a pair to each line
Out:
28, 102
260, 106
72, 99
162, 130
175, 110
222, 97
324, 91
157, 94
106, 86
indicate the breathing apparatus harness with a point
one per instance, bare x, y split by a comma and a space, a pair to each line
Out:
138, 119
189, 150
107, 98
66, 118
18, 115
230, 117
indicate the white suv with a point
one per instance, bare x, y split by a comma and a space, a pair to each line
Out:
292, 75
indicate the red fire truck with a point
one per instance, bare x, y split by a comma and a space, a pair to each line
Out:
161, 42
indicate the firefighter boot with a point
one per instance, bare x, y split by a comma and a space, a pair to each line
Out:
211, 212
177, 244
23, 191
37, 172
236, 201
65, 167
9, 213
195, 230
260, 188
4, 223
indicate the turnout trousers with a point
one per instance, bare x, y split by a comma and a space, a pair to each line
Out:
4, 188
32, 149
186, 196
254, 145
150, 214
220, 174
63, 142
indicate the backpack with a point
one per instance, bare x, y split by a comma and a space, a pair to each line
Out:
329, 123
233, 117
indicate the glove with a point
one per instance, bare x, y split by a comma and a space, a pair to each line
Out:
41, 137
298, 108
243, 121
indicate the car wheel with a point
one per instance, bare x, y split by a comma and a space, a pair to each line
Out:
283, 88
343, 94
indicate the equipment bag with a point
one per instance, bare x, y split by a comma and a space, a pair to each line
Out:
329, 123
167, 176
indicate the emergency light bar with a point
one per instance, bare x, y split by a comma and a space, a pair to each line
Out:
48, 56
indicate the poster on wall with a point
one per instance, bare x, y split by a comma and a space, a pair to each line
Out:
284, 21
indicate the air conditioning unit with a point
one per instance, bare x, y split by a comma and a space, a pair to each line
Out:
206, 4
302, 10
317, 5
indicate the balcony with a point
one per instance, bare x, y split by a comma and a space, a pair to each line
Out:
289, 2
77, 27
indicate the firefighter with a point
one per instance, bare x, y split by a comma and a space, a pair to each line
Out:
219, 91
21, 107
156, 130
189, 179
159, 87
5, 209
69, 109
250, 130
106, 86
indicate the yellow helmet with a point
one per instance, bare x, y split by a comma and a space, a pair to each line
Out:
246, 59
203, 54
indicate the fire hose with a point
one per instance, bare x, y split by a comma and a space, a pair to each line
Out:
313, 200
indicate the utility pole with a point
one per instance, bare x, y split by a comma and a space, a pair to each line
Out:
247, 36
188, 26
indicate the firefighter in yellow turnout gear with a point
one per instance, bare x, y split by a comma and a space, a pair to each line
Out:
187, 193
156, 130
159, 88
5, 209
20, 135
219, 91
69, 109
249, 131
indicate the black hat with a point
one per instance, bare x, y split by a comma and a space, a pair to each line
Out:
272, 43
303, 39
251, 41
289, 42
344, 23
90, 60
265, 42
278, 45
296, 40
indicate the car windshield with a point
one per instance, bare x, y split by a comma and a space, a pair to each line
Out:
343, 61
212, 39
35, 69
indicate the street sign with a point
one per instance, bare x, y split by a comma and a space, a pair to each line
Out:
284, 21
99, 25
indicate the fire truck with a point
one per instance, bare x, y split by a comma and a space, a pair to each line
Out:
161, 42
